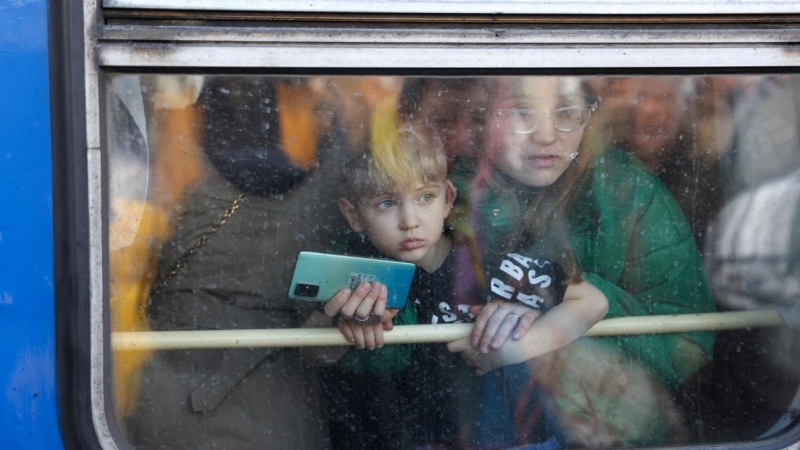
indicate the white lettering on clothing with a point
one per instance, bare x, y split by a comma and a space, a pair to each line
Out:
502, 289
524, 260
511, 269
544, 280
533, 300
447, 315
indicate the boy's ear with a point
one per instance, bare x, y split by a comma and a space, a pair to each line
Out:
450, 193
348, 210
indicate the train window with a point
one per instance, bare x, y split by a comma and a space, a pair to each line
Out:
603, 219
560, 200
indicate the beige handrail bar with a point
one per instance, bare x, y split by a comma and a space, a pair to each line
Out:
312, 337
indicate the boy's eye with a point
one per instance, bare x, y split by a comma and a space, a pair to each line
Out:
426, 197
386, 204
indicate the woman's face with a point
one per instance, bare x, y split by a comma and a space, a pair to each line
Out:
537, 158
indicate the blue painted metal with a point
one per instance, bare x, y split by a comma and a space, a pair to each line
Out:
28, 411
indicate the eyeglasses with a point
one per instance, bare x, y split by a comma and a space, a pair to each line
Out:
526, 121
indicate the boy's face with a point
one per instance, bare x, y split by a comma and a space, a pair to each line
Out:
406, 223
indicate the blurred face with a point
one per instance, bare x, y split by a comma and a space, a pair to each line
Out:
656, 121
619, 96
405, 223
457, 115
540, 157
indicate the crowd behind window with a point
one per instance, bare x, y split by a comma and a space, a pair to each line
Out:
640, 190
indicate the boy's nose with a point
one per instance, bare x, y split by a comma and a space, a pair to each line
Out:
408, 217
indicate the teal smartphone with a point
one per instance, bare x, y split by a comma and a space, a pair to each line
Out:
319, 276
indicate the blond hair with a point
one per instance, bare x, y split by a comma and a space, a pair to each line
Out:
398, 157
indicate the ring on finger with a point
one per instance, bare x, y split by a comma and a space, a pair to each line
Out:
360, 320
515, 315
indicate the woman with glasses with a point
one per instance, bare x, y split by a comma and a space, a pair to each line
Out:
545, 182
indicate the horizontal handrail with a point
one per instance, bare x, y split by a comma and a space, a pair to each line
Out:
408, 334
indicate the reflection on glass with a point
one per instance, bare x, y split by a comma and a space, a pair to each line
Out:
532, 206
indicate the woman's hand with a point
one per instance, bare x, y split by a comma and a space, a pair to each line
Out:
496, 320
366, 305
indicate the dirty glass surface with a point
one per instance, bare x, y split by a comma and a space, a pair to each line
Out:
534, 207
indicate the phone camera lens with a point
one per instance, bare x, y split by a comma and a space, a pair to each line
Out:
306, 290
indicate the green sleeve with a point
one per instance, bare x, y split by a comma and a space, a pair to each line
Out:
672, 357
662, 274
389, 360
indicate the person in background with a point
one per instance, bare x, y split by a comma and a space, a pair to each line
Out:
766, 113
268, 194
452, 110
753, 263
679, 127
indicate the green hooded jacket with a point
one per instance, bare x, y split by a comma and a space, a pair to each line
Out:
632, 242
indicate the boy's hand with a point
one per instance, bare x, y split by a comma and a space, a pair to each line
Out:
366, 305
495, 321
367, 336
364, 314
364, 336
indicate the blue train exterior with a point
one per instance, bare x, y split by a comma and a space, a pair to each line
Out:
28, 408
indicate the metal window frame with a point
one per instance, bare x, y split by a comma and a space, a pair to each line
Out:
588, 7
390, 47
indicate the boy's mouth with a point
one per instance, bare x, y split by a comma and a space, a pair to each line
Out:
412, 244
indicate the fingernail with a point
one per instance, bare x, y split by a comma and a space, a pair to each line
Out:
364, 286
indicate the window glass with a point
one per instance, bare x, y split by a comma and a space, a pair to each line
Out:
534, 207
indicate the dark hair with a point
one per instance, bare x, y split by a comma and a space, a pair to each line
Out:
414, 90
241, 134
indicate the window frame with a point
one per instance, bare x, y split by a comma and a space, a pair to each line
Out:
398, 46
583, 7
